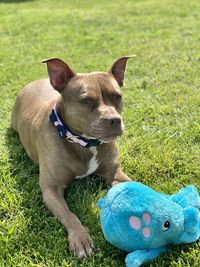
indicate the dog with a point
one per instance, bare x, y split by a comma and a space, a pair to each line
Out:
68, 124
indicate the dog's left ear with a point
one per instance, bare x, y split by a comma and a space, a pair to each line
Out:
118, 69
59, 73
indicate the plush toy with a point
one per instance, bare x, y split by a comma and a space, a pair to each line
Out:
139, 220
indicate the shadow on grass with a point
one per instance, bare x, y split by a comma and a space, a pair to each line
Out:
46, 235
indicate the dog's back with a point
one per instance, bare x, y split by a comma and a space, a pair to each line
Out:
31, 107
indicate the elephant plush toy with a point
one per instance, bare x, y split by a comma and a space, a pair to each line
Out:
139, 220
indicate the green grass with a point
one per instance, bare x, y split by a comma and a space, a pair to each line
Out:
161, 144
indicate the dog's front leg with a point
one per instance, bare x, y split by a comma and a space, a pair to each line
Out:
79, 240
113, 175
118, 177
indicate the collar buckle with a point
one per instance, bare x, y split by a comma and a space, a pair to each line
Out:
69, 139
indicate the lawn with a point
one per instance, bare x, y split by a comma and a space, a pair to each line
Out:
161, 143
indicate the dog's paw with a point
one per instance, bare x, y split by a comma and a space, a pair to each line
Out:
80, 243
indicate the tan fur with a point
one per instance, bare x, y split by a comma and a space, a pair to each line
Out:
59, 160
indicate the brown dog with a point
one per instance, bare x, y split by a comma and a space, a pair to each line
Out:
86, 114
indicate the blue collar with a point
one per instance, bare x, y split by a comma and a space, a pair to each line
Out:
67, 134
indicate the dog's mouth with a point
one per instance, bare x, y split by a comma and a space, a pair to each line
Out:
107, 137
103, 138
106, 134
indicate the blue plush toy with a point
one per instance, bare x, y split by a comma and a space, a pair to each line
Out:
139, 220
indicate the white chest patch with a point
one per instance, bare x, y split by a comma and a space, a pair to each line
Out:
93, 164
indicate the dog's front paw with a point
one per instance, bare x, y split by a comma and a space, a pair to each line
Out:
80, 243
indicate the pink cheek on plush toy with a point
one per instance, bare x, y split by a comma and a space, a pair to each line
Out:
146, 232
146, 217
135, 222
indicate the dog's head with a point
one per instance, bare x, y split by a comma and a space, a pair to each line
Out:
91, 102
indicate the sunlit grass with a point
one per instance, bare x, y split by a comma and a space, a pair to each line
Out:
161, 143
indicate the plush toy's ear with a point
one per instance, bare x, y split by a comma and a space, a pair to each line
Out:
187, 197
191, 226
191, 216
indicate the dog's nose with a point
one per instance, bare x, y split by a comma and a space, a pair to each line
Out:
115, 122
112, 122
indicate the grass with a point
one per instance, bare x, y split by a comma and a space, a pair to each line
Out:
161, 143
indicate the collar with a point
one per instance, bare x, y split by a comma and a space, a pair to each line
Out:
67, 134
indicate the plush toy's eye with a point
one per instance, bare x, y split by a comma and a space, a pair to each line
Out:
166, 225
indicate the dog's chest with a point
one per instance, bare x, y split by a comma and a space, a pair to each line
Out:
93, 164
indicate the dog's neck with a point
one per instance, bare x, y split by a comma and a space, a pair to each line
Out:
61, 112
66, 132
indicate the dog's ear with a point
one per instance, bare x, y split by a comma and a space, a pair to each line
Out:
59, 73
118, 69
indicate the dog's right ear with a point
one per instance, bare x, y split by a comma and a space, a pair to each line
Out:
59, 73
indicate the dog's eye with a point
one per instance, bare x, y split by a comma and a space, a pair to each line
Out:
86, 101
166, 226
